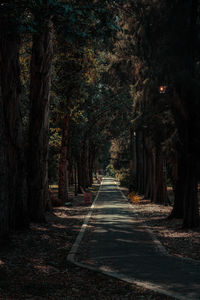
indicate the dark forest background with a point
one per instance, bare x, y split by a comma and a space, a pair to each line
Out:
98, 85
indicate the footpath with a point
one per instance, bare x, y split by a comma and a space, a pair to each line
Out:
120, 246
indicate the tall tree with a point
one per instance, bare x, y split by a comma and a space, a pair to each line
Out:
166, 43
185, 106
41, 61
13, 199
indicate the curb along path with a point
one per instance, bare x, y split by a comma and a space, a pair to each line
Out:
120, 247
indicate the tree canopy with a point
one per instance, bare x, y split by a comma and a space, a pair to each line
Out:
87, 85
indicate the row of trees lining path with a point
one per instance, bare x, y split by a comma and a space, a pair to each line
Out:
77, 77
160, 48
33, 75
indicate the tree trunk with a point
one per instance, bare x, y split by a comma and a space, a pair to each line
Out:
146, 172
159, 188
186, 196
63, 164
42, 53
87, 167
132, 148
75, 180
191, 207
140, 162
13, 196
133, 161
70, 174
149, 173
4, 171
91, 163
178, 207
151, 177
80, 175
84, 165
185, 105
186, 201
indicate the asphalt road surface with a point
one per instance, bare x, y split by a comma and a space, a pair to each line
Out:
120, 246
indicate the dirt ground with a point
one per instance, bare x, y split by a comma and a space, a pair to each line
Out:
34, 263
177, 241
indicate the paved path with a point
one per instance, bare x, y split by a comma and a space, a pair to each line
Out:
121, 247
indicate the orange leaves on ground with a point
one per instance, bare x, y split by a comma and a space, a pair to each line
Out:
134, 197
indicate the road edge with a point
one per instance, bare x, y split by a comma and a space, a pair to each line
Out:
157, 243
75, 246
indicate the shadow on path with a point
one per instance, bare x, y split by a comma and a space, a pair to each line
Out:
120, 246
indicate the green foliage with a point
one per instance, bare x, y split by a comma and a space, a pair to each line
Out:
110, 171
127, 178
124, 178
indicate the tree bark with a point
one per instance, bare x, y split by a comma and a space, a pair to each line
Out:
87, 164
13, 196
83, 165
91, 163
63, 164
140, 162
42, 53
75, 179
80, 175
186, 201
4, 173
191, 207
148, 170
185, 104
179, 182
159, 188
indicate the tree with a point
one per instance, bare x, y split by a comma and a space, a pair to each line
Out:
41, 60
165, 53
13, 196
186, 87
